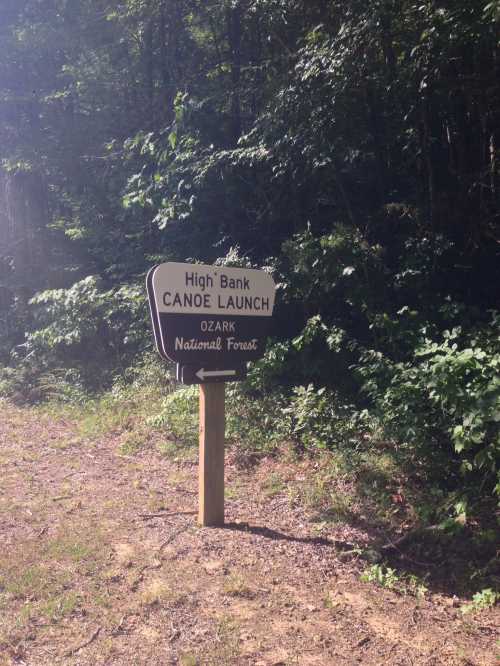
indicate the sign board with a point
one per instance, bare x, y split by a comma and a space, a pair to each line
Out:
211, 317
154, 315
194, 374
210, 320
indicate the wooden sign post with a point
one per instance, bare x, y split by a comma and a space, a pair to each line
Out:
210, 320
211, 472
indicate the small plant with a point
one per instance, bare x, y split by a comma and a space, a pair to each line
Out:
70, 548
255, 421
235, 586
105, 415
383, 576
332, 602
320, 420
416, 587
131, 444
482, 600
273, 486
392, 580
327, 493
59, 607
35, 582
179, 415
155, 592
226, 651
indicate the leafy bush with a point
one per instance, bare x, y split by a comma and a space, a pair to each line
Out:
254, 420
33, 383
314, 418
392, 580
148, 375
87, 327
179, 415
445, 400
320, 420
482, 600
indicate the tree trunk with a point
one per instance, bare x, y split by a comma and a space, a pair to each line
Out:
234, 37
148, 68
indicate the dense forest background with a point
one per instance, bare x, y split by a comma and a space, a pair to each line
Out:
352, 148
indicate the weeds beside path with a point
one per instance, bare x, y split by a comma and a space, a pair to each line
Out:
101, 562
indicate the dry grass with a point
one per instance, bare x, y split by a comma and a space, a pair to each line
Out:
236, 586
159, 588
126, 554
156, 591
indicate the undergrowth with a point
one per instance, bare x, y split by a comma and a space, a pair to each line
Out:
354, 473
392, 580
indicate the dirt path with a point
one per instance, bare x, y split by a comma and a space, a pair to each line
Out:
101, 562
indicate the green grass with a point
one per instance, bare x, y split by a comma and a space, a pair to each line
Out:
36, 581
273, 485
132, 443
178, 416
69, 548
56, 608
176, 451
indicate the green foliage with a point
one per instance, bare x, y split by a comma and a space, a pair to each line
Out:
178, 417
348, 147
390, 579
482, 600
255, 421
265, 375
383, 576
446, 399
31, 382
149, 377
314, 419
89, 327
320, 420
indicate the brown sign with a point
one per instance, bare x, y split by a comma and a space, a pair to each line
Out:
193, 374
212, 317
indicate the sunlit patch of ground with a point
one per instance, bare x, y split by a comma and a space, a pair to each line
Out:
101, 562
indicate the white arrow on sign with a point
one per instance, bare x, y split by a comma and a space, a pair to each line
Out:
202, 374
